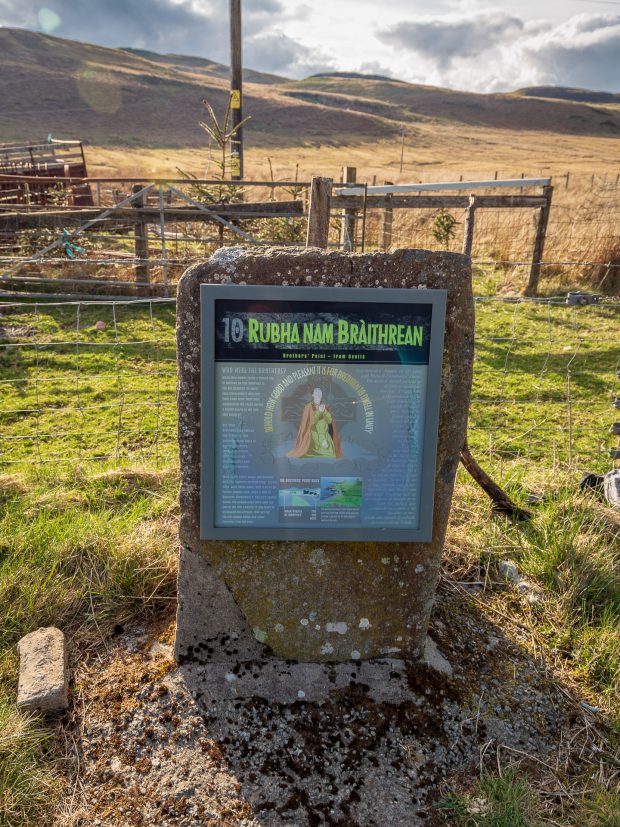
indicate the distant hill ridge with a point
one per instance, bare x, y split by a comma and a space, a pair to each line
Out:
135, 97
569, 94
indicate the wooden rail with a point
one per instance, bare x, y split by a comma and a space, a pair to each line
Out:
137, 212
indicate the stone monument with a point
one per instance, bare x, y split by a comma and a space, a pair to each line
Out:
307, 600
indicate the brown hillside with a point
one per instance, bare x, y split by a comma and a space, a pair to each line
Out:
514, 111
128, 97
112, 96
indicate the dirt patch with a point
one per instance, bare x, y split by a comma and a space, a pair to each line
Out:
151, 750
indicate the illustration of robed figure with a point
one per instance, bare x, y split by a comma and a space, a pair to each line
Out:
318, 434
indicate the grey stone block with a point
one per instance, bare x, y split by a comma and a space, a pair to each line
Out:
43, 672
316, 601
612, 487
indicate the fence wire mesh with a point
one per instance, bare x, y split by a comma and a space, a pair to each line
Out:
95, 381
582, 242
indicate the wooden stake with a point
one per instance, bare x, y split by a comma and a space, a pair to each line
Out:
388, 222
542, 219
502, 501
347, 231
141, 246
470, 217
318, 213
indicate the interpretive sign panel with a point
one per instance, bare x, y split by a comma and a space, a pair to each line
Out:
320, 411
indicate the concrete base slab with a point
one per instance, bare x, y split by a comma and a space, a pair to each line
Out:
385, 681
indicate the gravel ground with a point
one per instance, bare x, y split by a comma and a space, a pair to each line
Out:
155, 745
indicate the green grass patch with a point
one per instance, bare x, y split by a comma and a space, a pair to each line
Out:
495, 802
571, 548
511, 801
85, 551
29, 785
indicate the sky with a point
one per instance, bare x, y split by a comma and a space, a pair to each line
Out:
462, 44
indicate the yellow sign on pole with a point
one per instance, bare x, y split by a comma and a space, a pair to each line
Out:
235, 98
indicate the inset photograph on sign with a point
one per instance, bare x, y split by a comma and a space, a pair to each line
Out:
319, 412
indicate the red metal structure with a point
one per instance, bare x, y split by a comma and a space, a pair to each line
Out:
53, 159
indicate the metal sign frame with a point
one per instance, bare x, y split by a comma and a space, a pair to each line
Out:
209, 295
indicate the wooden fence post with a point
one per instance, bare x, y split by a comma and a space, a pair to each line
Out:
347, 230
388, 222
318, 211
141, 243
470, 218
542, 219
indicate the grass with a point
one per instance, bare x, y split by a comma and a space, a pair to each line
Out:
89, 551
84, 552
495, 802
511, 800
88, 488
29, 785
571, 548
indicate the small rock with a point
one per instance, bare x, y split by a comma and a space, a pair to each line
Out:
509, 571
100, 325
534, 595
433, 658
611, 482
162, 649
43, 672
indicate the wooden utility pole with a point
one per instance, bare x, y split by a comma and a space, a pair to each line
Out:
347, 232
236, 89
318, 212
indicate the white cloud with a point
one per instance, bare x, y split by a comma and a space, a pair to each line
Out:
465, 44
584, 51
282, 55
491, 51
443, 39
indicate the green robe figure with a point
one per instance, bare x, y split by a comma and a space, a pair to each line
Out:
317, 435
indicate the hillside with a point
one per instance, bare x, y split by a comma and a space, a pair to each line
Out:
515, 110
136, 98
115, 96
567, 93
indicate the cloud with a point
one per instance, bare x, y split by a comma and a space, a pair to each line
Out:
582, 51
443, 39
196, 27
282, 55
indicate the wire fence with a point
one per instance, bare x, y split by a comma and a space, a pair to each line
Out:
95, 381
582, 241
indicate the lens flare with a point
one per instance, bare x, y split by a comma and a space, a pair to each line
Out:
49, 21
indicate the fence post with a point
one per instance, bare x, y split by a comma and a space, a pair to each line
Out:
141, 242
388, 220
347, 230
542, 219
470, 218
318, 211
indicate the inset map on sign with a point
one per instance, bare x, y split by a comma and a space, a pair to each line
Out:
343, 492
